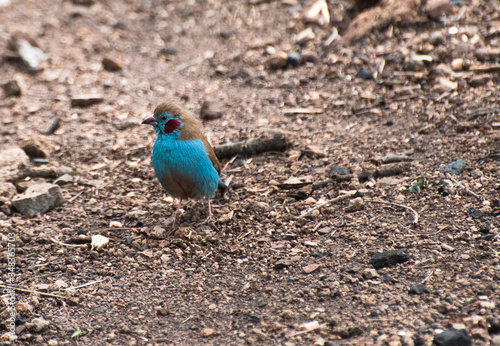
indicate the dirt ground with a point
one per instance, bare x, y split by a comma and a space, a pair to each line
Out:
288, 259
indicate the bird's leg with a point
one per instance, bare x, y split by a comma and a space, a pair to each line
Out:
209, 218
176, 214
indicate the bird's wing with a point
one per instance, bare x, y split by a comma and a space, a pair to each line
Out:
192, 131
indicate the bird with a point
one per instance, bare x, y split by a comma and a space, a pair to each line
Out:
183, 160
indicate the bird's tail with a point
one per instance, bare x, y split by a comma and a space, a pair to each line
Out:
222, 186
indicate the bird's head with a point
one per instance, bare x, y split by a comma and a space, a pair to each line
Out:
166, 120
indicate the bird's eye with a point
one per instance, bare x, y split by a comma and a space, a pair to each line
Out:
163, 118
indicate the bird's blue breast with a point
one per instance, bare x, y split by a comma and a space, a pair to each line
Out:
184, 168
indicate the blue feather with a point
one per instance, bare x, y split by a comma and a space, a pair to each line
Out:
188, 159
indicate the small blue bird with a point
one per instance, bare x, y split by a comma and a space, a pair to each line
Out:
183, 159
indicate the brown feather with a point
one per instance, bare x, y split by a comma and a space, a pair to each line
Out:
179, 186
191, 129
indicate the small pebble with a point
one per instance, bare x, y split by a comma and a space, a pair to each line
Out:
364, 74
455, 167
418, 289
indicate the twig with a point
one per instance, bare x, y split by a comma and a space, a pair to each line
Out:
428, 276
243, 236
334, 200
465, 187
33, 291
255, 146
229, 162
76, 196
317, 226
84, 285
64, 244
193, 62
187, 319
415, 215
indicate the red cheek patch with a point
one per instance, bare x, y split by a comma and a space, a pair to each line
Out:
171, 125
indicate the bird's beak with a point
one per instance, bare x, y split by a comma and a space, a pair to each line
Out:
150, 120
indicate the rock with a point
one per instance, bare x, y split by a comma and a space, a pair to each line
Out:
207, 332
161, 311
36, 147
453, 337
259, 207
115, 224
318, 13
457, 64
112, 64
136, 214
285, 262
308, 269
339, 170
211, 110
309, 57
86, 100
58, 285
32, 56
83, 2
355, 204
7, 191
418, 289
477, 81
364, 74
169, 51
311, 325
98, 242
12, 88
455, 167
293, 59
493, 325
37, 325
444, 84
389, 258
487, 53
11, 160
287, 314
369, 273
475, 213
305, 35
436, 9
53, 342
157, 232
24, 309
64, 179
390, 158
277, 61
38, 198
53, 126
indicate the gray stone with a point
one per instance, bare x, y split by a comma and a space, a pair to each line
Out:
11, 160
456, 167
7, 191
86, 100
335, 169
38, 325
259, 207
112, 64
418, 289
453, 337
12, 88
64, 179
389, 258
38, 198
